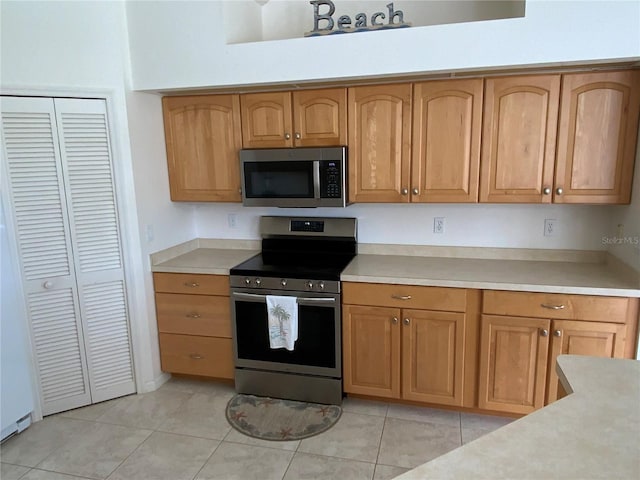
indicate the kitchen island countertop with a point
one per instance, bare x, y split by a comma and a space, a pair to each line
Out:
590, 434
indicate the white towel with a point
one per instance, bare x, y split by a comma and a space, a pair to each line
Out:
283, 321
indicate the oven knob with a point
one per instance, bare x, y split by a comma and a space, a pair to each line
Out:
258, 282
321, 285
283, 282
309, 284
247, 281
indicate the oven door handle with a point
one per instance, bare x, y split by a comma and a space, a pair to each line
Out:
263, 298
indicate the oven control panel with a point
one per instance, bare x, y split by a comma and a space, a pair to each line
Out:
285, 284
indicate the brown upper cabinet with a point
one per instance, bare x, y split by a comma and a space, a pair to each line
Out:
597, 137
306, 118
202, 134
379, 143
519, 139
447, 118
440, 163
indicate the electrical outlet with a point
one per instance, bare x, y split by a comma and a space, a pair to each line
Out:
438, 225
232, 219
550, 225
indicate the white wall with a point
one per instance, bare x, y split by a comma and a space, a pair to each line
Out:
181, 44
626, 243
580, 227
80, 49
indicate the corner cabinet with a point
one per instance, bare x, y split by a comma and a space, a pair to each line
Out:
523, 333
305, 118
404, 342
203, 137
194, 324
597, 137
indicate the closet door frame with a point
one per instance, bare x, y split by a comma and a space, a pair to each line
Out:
139, 309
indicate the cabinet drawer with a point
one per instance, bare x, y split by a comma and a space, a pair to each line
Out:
555, 305
193, 355
405, 296
205, 315
191, 283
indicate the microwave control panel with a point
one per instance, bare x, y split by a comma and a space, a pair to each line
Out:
330, 179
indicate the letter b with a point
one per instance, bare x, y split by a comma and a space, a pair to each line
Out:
327, 16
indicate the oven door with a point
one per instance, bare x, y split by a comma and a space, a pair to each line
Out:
318, 348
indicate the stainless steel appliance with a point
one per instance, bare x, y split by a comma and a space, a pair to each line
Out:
294, 177
302, 258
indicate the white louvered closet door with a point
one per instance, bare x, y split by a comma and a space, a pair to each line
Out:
61, 181
88, 175
31, 152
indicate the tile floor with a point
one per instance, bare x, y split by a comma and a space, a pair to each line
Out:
180, 432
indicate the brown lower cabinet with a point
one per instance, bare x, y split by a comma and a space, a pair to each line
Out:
394, 350
518, 352
194, 324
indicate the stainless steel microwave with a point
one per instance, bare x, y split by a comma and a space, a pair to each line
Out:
294, 177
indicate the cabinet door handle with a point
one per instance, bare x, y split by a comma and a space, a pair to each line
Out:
193, 315
559, 191
196, 356
557, 333
401, 297
394, 320
552, 307
298, 136
546, 190
405, 191
287, 136
544, 332
406, 321
191, 284
416, 191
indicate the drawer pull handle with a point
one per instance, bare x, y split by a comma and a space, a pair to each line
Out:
401, 297
552, 307
196, 356
192, 285
193, 315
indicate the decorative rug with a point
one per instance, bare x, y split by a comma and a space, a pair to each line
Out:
275, 419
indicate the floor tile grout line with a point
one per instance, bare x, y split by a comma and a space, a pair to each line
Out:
384, 424
131, 453
207, 460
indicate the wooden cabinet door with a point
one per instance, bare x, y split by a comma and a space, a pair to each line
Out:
519, 139
203, 137
320, 117
266, 120
379, 143
432, 356
597, 137
596, 339
513, 363
447, 118
371, 350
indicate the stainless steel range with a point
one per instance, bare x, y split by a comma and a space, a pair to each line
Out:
302, 257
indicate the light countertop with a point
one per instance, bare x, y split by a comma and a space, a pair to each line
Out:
495, 274
590, 434
213, 261
562, 275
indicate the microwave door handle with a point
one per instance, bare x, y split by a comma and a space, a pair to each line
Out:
316, 179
